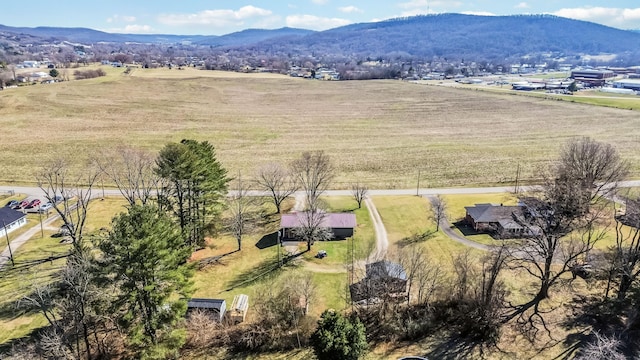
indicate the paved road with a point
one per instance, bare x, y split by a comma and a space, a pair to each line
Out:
35, 191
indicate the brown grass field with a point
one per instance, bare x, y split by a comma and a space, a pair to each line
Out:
377, 132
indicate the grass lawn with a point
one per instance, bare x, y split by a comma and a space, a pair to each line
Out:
15, 284
404, 216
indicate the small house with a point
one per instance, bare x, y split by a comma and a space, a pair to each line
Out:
239, 307
499, 220
11, 220
342, 225
215, 308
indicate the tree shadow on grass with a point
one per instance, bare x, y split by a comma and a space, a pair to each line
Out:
253, 274
416, 238
7, 346
268, 241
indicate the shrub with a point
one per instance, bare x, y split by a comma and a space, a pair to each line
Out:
338, 337
88, 74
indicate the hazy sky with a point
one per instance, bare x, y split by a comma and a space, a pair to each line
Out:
223, 17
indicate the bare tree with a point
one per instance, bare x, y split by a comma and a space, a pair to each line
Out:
439, 207
313, 172
626, 259
602, 347
423, 274
561, 228
276, 180
241, 205
311, 227
359, 193
597, 166
60, 187
132, 171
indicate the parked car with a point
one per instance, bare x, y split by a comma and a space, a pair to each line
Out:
33, 203
46, 207
22, 204
12, 203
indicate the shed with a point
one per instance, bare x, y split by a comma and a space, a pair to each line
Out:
10, 220
239, 307
215, 307
384, 279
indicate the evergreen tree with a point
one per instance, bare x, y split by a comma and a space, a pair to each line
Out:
195, 184
338, 337
145, 257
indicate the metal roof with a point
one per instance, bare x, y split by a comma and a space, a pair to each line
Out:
8, 215
490, 213
330, 220
197, 303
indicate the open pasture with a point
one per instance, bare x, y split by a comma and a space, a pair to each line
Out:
377, 132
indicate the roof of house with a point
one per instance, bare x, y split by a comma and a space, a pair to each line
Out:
197, 303
385, 269
330, 220
8, 215
492, 213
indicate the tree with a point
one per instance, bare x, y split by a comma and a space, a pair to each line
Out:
60, 186
439, 207
241, 206
595, 166
311, 227
626, 257
145, 257
313, 172
54, 73
359, 193
338, 337
193, 188
573, 87
564, 218
132, 171
276, 180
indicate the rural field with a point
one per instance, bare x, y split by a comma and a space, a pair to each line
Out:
380, 133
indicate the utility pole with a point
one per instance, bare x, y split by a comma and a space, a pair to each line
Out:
418, 186
517, 177
41, 228
6, 233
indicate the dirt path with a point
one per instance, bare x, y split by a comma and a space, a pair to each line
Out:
382, 241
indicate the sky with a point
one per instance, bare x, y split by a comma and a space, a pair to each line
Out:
200, 17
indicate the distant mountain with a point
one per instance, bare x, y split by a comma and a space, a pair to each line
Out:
467, 36
252, 36
444, 35
88, 36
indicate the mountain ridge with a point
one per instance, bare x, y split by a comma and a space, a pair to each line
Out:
424, 36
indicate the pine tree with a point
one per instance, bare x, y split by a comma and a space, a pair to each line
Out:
145, 257
195, 184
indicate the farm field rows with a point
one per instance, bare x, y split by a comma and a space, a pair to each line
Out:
380, 133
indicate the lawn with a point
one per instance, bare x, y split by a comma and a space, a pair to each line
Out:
380, 133
405, 216
14, 284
